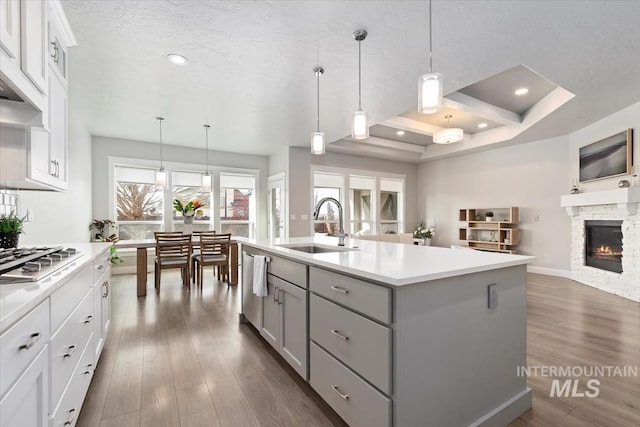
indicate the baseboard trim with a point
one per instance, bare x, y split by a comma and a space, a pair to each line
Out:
508, 411
131, 269
549, 271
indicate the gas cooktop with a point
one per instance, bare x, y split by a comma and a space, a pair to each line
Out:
33, 264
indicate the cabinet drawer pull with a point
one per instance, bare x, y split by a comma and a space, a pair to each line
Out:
69, 352
341, 290
88, 371
276, 291
339, 335
56, 52
33, 338
337, 390
72, 413
88, 319
106, 289
101, 267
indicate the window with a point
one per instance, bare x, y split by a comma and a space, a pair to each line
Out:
390, 206
186, 188
373, 203
327, 185
237, 205
140, 208
361, 188
139, 204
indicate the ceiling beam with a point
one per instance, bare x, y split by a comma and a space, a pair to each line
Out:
389, 143
410, 125
469, 104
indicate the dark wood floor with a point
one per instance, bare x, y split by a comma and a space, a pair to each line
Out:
182, 359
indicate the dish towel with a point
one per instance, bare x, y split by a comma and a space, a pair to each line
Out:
260, 275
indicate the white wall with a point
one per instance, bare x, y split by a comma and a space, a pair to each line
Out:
299, 176
611, 125
63, 217
532, 176
105, 147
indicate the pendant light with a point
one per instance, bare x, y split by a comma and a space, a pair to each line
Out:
206, 176
448, 135
430, 85
317, 138
360, 121
161, 175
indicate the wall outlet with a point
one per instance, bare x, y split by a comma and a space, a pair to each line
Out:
292, 217
492, 294
29, 215
536, 217
304, 217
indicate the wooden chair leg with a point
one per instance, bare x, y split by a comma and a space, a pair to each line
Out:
157, 277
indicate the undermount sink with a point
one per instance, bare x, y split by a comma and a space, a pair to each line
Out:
317, 249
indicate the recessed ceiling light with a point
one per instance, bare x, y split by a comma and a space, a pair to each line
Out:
482, 125
177, 59
521, 91
400, 133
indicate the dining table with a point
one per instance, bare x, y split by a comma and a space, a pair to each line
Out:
142, 245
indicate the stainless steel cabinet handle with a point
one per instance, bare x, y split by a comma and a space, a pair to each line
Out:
337, 390
280, 301
88, 371
33, 338
53, 162
276, 294
69, 352
339, 335
56, 51
88, 319
106, 289
339, 289
72, 413
101, 267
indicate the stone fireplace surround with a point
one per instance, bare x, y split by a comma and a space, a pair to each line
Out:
622, 205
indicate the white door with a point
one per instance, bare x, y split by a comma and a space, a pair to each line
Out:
277, 212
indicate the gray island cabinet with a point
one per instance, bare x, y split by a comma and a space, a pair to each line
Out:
397, 335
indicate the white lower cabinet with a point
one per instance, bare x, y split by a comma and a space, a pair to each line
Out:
284, 322
25, 404
47, 358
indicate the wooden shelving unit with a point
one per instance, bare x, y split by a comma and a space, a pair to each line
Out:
500, 234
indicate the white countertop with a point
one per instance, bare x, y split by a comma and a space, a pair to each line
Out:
395, 264
17, 299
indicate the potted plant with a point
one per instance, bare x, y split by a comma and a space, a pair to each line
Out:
424, 233
100, 233
489, 216
10, 229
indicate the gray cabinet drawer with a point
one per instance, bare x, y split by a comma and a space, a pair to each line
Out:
290, 271
359, 404
361, 344
372, 300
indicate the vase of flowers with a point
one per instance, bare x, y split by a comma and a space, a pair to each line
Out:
189, 212
424, 233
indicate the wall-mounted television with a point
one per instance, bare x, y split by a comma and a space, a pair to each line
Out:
608, 157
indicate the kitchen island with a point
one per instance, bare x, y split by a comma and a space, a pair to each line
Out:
397, 335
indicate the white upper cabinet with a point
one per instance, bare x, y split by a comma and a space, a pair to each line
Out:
10, 27
34, 42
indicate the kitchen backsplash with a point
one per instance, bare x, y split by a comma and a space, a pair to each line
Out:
9, 201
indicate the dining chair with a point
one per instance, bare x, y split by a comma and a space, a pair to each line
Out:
214, 251
195, 250
173, 250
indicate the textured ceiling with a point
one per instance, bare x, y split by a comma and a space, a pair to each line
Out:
250, 72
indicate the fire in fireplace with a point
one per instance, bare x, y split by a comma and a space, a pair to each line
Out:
603, 245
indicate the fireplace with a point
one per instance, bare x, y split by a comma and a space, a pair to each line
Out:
603, 245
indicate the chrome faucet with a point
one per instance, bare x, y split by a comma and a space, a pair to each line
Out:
316, 212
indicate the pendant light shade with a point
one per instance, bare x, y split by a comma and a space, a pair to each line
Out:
448, 135
161, 175
317, 138
430, 85
360, 119
206, 176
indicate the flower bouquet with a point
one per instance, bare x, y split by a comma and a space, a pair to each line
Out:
188, 210
422, 232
